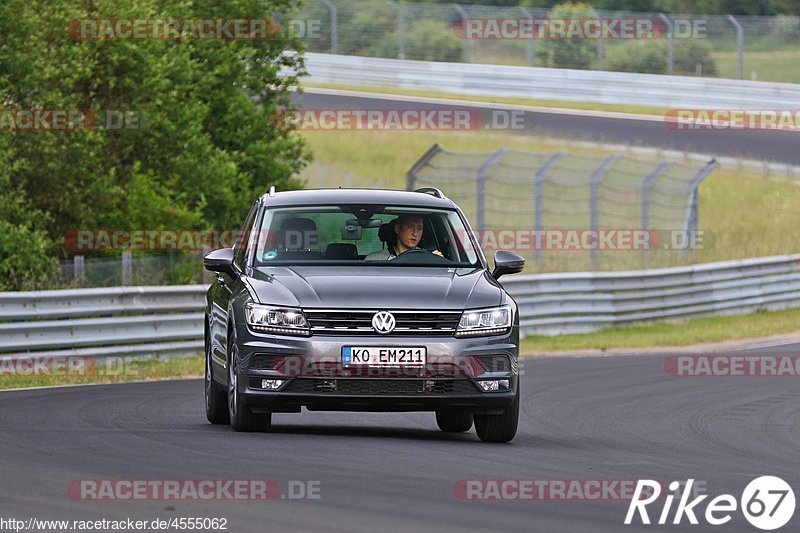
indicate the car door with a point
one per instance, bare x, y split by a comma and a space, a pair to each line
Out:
225, 287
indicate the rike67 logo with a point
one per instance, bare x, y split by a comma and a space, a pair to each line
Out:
767, 503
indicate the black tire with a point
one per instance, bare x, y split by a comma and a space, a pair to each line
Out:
216, 398
453, 421
241, 417
499, 428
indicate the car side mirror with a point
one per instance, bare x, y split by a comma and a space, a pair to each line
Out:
507, 263
221, 261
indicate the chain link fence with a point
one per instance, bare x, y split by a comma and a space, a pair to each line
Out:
755, 48
565, 212
176, 268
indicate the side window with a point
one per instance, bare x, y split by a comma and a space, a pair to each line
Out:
242, 239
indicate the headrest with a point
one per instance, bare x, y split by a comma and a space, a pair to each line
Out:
341, 250
298, 234
386, 233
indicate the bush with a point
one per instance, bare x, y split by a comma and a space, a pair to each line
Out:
578, 54
650, 57
433, 40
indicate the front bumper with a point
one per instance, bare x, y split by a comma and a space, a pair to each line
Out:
315, 378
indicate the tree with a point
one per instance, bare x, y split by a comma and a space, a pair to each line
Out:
206, 144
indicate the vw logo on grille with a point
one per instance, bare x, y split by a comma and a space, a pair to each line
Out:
383, 322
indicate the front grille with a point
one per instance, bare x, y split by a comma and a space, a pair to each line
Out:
414, 323
382, 386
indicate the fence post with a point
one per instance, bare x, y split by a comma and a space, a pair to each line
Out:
599, 45
739, 44
465, 51
480, 193
538, 199
691, 219
530, 46
670, 42
79, 268
334, 14
647, 184
127, 267
401, 29
411, 175
594, 184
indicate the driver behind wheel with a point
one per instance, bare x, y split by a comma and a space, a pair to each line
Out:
408, 228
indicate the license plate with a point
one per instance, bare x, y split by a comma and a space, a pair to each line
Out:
383, 356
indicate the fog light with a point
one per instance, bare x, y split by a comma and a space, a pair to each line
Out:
495, 385
271, 383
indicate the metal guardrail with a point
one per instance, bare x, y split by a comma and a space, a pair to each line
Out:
551, 84
112, 321
144, 320
552, 304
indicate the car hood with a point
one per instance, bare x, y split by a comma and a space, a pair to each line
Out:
375, 287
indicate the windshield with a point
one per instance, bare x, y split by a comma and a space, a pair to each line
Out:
364, 235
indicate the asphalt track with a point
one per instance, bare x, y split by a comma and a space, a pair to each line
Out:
600, 418
761, 145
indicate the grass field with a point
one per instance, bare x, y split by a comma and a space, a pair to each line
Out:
782, 66
101, 371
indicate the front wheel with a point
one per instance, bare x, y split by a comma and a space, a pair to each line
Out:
499, 428
216, 399
453, 422
242, 418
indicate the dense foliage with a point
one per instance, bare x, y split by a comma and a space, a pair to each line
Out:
204, 147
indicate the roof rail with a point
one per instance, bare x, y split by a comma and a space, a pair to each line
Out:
433, 191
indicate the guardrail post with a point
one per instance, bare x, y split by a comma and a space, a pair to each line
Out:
739, 44
334, 14
480, 199
646, 186
670, 42
465, 50
594, 197
78, 268
127, 267
401, 29
538, 199
530, 46
411, 175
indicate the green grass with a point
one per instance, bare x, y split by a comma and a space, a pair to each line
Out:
118, 370
777, 66
671, 334
562, 104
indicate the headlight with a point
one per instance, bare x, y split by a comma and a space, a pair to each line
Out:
492, 321
276, 319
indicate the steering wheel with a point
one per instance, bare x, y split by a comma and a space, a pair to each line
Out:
420, 255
